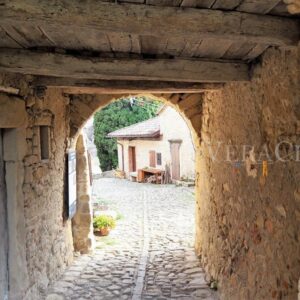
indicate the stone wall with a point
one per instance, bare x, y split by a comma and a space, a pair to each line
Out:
49, 245
248, 232
3, 229
247, 224
40, 239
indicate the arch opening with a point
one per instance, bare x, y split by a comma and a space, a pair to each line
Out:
189, 114
188, 107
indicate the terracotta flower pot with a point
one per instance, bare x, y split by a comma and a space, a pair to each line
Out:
102, 232
105, 231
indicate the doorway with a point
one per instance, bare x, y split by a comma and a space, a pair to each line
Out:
175, 159
132, 159
139, 225
3, 228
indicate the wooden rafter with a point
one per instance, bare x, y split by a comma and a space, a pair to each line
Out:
151, 20
75, 86
60, 65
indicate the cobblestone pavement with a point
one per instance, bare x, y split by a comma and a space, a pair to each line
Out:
148, 256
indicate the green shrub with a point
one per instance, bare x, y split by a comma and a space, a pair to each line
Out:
104, 222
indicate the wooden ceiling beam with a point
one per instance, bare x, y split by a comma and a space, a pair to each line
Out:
76, 86
61, 65
151, 20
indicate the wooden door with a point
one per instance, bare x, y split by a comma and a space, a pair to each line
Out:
175, 159
3, 229
132, 159
152, 159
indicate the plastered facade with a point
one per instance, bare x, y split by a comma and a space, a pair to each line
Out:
172, 127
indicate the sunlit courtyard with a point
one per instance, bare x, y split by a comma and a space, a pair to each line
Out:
149, 254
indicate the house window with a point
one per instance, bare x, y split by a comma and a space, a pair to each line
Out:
158, 159
152, 159
45, 142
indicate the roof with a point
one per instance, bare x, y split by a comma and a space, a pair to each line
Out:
146, 129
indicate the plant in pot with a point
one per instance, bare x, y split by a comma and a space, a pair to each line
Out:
103, 225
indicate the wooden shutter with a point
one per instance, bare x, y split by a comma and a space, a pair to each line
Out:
152, 159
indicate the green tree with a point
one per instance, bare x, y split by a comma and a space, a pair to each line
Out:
119, 114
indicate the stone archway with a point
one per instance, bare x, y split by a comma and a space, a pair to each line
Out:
189, 106
237, 213
249, 229
83, 107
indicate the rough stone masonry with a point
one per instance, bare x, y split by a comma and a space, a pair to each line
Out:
248, 231
247, 227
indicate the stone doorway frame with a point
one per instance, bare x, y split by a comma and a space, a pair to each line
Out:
18, 281
3, 226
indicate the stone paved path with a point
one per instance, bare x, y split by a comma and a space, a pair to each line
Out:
148, 256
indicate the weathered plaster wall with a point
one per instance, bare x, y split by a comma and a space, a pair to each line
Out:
49, 244
40, 241
247, 226
248, 233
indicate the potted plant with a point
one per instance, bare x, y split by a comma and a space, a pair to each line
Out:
103, 224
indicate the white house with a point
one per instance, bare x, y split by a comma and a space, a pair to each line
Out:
161, 141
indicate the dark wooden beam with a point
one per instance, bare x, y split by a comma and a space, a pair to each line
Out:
60, 65
76, 86
151, 20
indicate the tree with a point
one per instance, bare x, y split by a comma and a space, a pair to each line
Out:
119, 114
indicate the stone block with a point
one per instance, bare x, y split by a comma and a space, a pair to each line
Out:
30, 160
12, 112
18, 275
30, 101
35, 140
28, 178
39, 173
15, 145
55, 297
29, 133
44, 120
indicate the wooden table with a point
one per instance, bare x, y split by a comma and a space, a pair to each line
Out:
152, 171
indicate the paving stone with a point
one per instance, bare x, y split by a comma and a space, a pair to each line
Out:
150, 250
55, 297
